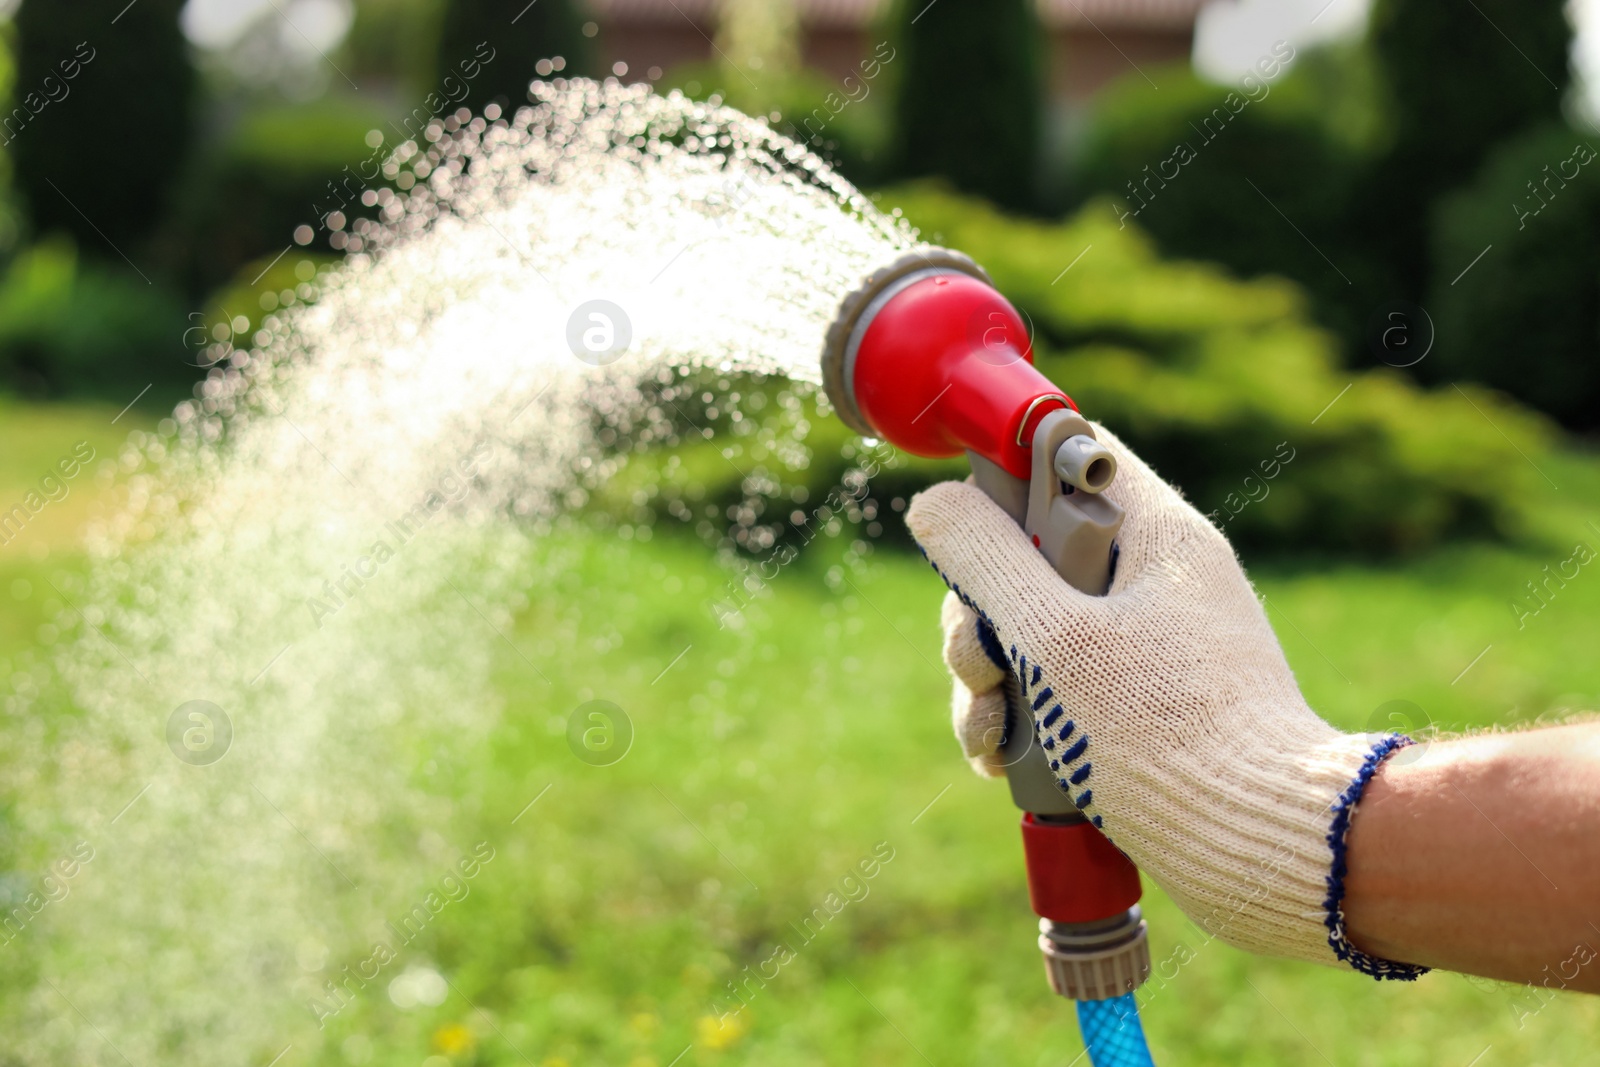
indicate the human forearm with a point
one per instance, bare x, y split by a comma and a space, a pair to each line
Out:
1482, 855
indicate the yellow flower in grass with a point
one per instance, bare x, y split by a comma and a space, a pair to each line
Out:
718, 1033
454, 1039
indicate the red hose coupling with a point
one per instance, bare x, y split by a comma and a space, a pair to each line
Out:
1075, 874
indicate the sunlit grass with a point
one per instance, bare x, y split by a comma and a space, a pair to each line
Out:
770, 759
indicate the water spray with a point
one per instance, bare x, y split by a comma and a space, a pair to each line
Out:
927, 355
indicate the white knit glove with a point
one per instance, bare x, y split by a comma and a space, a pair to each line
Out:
1167, 707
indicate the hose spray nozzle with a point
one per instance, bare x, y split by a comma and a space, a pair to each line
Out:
927, 355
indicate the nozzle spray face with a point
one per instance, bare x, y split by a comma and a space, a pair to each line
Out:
860, 307
930, 357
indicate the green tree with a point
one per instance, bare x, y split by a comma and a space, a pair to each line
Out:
520, 34
101, 116
1459, 81
1250, 174
1526, 316
969, 96
393, 42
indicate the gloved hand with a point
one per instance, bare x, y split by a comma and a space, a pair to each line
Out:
1167, 708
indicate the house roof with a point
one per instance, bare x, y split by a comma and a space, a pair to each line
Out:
1121, 14
845, 14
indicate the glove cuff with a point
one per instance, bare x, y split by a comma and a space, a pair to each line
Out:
1250, 838
1333, 904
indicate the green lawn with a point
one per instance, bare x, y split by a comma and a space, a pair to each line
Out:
770, 759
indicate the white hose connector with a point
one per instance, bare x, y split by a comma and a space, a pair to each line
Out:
1096, 961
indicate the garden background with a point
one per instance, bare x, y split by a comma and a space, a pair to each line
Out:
1250, 319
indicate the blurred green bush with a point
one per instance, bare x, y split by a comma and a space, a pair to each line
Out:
1230, 173
71, 326
1375, 171
1453, 89
1223, 384
278, 166
1213, 379
1526, 317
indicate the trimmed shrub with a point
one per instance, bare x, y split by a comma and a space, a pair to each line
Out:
1456, 82
89, 328
1216, 380
1223, 384
969, 97
1253, 175
1526, 317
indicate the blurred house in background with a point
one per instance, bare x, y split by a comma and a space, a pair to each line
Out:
1090, 42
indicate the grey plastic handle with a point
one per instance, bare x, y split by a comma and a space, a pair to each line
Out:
1061, 508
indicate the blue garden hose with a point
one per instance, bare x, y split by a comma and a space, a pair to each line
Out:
1112, 1034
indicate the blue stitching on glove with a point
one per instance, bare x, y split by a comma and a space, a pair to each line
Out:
1343, 809
989, 641
1050, 718
1010, 718
1020, 660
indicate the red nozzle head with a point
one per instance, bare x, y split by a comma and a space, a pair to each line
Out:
930, 357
